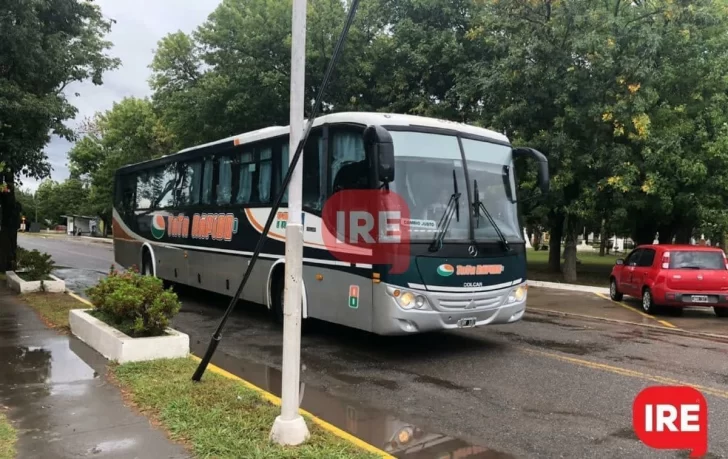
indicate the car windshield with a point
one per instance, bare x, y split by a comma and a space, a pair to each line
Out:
685, 259
425, 165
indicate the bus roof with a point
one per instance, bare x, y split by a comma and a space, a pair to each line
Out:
362, 118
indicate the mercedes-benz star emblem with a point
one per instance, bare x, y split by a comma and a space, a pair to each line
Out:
472, 250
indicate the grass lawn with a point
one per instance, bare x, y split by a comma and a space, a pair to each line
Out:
53, 308
7, 439
217, 417
593, 270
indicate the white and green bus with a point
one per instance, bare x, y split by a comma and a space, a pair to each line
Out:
194, 218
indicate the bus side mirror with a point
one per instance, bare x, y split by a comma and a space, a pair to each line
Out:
379, 146
542, 165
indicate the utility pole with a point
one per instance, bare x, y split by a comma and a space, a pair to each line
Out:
290, 428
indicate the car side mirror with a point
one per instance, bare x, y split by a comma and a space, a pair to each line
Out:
542, 165
619, 261
380, 148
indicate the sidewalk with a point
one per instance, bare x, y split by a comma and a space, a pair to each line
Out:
59, 400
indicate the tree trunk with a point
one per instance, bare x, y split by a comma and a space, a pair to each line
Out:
683, 234
666, 234
9, 224
603, 238
644, 234
537, 238
569, 268
557, 231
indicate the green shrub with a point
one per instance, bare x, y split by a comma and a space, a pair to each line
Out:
134, 304
35, 265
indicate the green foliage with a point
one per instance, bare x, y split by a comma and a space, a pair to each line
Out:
34, 265
46, 45
135, 304
130, 132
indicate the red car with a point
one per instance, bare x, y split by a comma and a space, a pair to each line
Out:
673, 276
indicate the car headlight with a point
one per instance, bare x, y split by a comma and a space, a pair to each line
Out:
519, 294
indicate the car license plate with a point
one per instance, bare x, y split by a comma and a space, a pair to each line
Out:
466, 323
700, 298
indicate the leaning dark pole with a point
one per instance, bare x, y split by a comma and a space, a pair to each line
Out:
217, 336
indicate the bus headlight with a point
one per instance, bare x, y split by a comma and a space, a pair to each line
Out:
406, 300
518, 294
420, 301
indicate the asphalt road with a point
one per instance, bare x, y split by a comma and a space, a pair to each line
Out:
544, 387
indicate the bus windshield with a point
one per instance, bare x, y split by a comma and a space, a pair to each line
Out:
425, 165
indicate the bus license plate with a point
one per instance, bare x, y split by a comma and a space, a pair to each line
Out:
466, 323
700, 298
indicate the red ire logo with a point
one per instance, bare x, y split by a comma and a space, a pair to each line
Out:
365, 226
672, 417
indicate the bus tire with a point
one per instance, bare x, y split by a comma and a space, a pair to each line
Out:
276, 297
147, 267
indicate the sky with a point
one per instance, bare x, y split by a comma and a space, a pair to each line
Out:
140, 24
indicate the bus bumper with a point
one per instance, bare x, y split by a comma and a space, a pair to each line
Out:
391, 319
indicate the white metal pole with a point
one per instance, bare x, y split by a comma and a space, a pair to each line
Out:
290, 428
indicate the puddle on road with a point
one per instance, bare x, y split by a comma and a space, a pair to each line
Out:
386, 432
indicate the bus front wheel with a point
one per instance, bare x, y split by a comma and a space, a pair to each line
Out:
147, 268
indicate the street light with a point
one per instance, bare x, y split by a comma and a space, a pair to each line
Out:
289, 428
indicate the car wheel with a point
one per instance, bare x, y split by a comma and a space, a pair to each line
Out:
648, 304
613, 292
720, 312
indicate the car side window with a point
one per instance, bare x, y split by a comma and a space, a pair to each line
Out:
647, 258
633, 258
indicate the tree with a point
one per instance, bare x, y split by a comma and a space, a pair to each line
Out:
46, 46
130, 132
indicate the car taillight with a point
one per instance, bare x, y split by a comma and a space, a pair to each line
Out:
665, 260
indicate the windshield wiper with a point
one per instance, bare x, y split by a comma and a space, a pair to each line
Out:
477, 207
453, 207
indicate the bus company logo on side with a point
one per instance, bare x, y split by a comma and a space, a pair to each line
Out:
159, 225
366, 226
218, 227
445, 270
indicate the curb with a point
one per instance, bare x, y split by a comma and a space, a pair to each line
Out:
675, 331
277, 401
568, 287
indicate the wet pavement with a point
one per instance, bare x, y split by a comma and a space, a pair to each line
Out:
543, 387
694, 319
59, 400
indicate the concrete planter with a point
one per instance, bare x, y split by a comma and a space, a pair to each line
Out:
115, 345
17, 284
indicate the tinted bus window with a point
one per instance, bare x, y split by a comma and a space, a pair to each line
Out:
313, 176
347, 150
224, 180
190, 180
245, 179
264, 175
207, 177
164, 180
